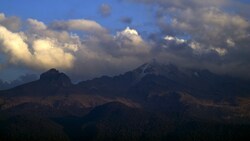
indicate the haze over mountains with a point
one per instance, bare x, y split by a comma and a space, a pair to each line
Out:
152, 102
21, 80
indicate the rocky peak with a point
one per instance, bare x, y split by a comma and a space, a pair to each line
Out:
156, 68
52, 73
54, 77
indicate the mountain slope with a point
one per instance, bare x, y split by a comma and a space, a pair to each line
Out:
151, 102
51, 82
199, 83
153, 86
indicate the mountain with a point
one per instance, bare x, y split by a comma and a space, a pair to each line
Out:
30, 128
152, 102
52, 94
21, 80
116, 121
167, 87
154, 86
55, 78
50, 83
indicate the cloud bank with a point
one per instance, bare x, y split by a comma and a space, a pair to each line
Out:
216, 33
38, 47
192, 33
81, 47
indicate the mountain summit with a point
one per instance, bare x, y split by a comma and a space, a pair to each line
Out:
155, 68
54, 77
51, 82
149, 100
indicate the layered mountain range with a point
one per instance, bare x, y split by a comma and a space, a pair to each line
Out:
152, 102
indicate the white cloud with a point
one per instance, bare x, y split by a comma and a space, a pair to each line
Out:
230, 42
42, 53
2, 16
36, 25
49, 54
80, 25
220, 51
169, 38
11, 23
13, 45
44, 47
175, 39
197, 48
130, 34
97, 52
219, 18
130, 42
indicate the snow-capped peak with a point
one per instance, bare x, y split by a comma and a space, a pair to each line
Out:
155, 68
152, 67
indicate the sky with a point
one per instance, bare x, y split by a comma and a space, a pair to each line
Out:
88, 39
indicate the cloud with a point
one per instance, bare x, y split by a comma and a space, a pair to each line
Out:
41, 50
78, 25
11, 23
89, 53
211, 28
183, 4
220, 51
177, 40
216, 33
111, 54
14, 45
38, 30
48, 54
129, 34
105, 10
205, 21
36, 25
230, 42
190, 34
2, 16
126, 20
130, 42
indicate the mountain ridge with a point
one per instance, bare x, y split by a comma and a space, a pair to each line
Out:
152, 102
152, 86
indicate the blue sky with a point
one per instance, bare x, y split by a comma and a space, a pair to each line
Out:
87, 38
48, 11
